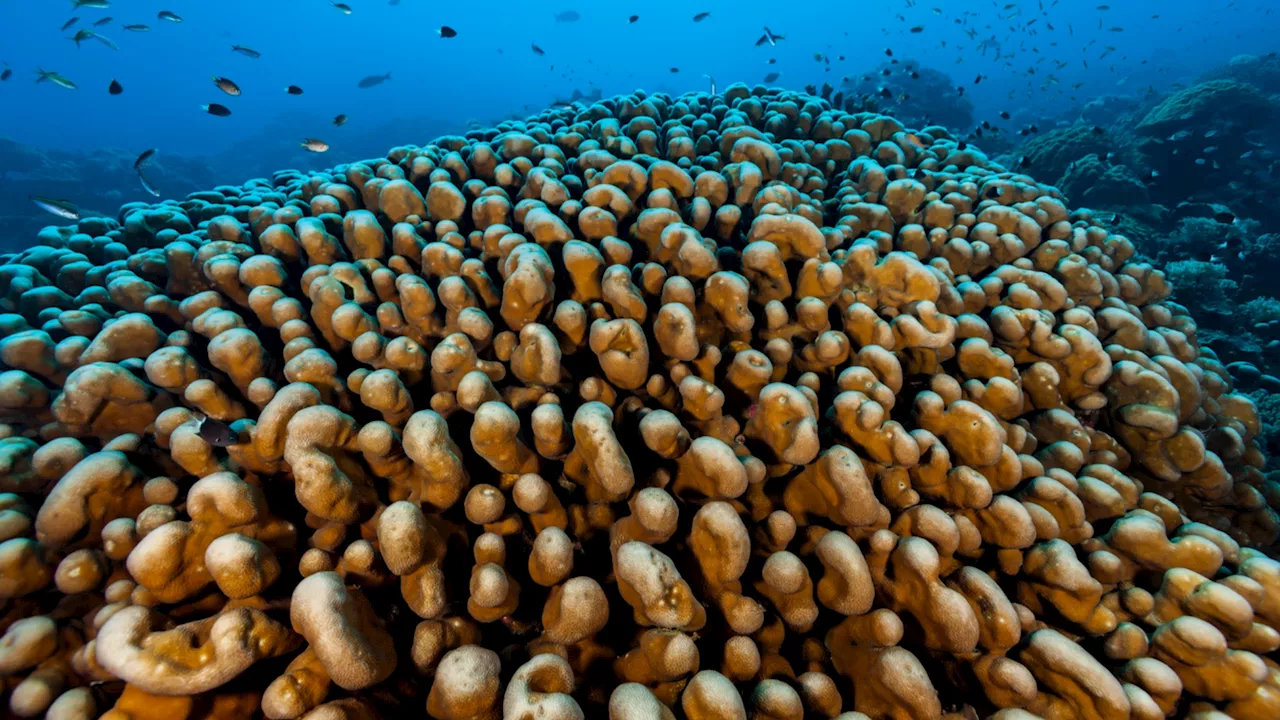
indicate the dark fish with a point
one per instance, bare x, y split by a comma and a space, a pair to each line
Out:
340, 120
1097, 130
343, 8
537, 50
95, 4
1224, 217
170, 16
888, 51
1004, 115
885, 92
962, 145
247, 52
115, 88
6, 73
1022, 162
917, 30
227, 86
373, 81
675, 69
568, 16
915, 75
216, 432
137, 28
992, 193
701, 16
293, 90
446, 32
67, 25
633, 18
771, 77
144, 158
769, 37
216, 109
62, 208
977, 79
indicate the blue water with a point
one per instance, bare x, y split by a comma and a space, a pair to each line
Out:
489, 70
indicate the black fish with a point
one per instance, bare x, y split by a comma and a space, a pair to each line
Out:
962, 145
340, 120
293, 90
216, 432
977, 79
446, 32
701, 16
633, 18
888, 51
675, 69
144, 158
1224, 217
1097, 130
216, 109
772, 77
992, 193
537, 50
373, 80
115, 88
917, 30
1004, 115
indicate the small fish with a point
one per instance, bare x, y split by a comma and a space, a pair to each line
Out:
115, 88
62, 208
95, 4
962, 146
216, 432
568, 16
1004, 115
771, 77
343, 8
293, 90
675, 70
1224, 217
6, 73
917, 30
105, 41
55, 78
1246, 155
977, 79
713, 83
169, 15
373, 80
537, 50
447, 32
769, 37
103, 21
340, 120
138, 28
227, 86
1211, 133
888, 52
633, 19
144, 158
68, 24
216, 109
315, 145
701, 16
146, 185
81, 36
246, 51
1200, 161
1104, 7
1211, 149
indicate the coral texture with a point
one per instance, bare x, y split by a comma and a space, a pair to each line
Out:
709, 407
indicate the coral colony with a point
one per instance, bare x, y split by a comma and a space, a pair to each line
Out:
708, 406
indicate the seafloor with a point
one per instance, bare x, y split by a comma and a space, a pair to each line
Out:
724, 406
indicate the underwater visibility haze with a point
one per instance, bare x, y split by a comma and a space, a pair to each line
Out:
714, 360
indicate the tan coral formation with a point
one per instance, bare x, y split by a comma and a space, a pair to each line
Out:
708, 407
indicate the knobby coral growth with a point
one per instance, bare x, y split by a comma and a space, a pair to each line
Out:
710, 407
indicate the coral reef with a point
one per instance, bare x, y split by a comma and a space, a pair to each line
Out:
712, 406
915, 94
1262, 72
1050, 155
1093, 182
1204, 103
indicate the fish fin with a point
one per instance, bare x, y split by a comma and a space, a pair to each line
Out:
779, 37
763, 39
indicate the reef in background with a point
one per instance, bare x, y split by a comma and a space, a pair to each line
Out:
717, 403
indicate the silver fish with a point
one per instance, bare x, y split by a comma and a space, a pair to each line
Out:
315, 145
713, 83
147, 185
62, 208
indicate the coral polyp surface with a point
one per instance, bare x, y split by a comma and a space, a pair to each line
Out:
709, 406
